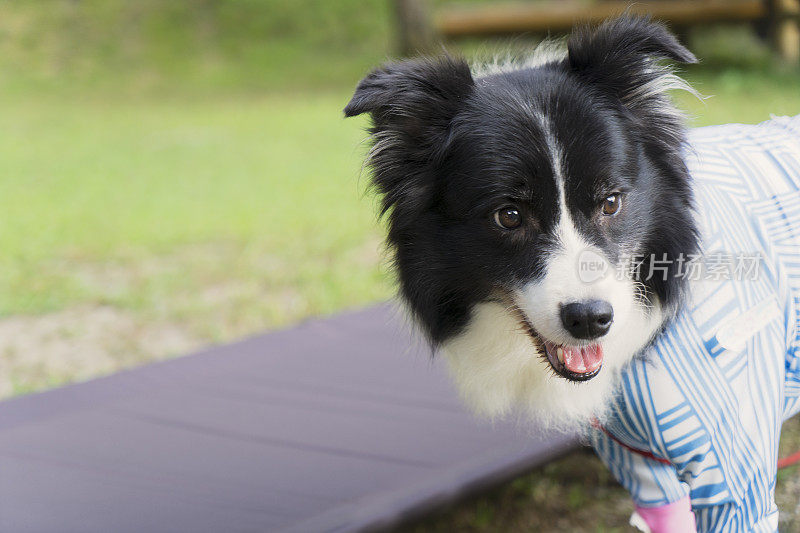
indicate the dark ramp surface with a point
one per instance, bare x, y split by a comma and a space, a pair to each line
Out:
339, 424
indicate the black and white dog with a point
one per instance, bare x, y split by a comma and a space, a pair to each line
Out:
497, 184
511, 193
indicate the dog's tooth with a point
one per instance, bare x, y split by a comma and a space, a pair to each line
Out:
560, 355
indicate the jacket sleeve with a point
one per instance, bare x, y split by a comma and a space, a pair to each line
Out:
650, 482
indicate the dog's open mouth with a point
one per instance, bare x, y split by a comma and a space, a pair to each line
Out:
572, 362
578, 363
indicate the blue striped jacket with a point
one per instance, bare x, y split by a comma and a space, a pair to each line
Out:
710, 395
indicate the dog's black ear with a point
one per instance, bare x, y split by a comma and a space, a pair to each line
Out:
412, 104
622, 56
412, 91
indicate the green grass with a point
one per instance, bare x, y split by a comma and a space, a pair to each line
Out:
268, 188
735, 95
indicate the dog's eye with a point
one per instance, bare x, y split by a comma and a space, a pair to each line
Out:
508, 217
612, 204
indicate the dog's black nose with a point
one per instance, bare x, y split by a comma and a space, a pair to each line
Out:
588, 319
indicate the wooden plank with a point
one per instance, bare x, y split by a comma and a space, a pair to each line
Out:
562, 16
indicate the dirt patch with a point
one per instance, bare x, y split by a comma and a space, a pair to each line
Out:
140, 308
37, 352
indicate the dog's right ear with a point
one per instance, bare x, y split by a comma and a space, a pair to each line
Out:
412, 104
417, 93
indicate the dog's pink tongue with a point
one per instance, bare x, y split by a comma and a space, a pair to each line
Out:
583, 359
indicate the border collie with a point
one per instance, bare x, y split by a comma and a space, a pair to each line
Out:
503, 187
548, 240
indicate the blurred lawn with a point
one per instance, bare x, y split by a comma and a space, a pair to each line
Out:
89, 185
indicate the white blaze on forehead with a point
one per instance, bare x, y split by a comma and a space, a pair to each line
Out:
556, 155
555, 152
571, 246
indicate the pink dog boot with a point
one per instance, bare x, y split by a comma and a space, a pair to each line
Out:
676, 517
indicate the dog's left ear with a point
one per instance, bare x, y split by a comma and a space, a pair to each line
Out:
622, 57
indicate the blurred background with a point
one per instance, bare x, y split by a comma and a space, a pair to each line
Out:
179, 174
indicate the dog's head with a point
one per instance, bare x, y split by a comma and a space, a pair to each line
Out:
519, 201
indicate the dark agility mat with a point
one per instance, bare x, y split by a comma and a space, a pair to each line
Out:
339, 424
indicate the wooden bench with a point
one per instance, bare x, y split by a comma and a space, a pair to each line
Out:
420, 31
